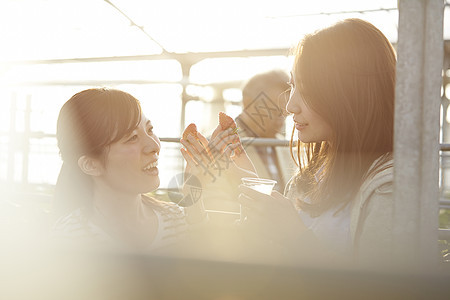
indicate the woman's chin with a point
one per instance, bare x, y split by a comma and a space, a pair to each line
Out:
153, 186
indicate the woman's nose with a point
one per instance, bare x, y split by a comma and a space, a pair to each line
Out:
293, 105
152, 145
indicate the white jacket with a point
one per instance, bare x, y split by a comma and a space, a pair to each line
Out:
371, 223
371, 217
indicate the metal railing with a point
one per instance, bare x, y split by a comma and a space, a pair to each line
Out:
444, 203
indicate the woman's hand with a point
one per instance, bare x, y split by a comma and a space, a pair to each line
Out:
209, 160
272, 216
220, 143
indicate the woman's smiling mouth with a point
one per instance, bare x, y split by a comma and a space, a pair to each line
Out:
300, 126
151, 168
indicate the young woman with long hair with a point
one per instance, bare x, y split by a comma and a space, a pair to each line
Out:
342, 103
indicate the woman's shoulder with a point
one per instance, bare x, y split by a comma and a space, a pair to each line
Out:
76, 225
172, 226
381, 174
70, 223
379, 182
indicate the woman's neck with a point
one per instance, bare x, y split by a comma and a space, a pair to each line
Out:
114, 205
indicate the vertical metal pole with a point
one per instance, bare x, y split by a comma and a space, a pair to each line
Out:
12, 139
445, 125
26, 141
416, 145
442, 139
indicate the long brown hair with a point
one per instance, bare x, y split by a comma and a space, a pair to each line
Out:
345, 73
88, 123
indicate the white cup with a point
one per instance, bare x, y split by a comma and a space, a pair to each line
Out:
261, 185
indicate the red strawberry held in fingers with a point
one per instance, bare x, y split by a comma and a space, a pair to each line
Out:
226, 121
191, 129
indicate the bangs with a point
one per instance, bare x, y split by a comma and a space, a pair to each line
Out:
308, 71
122, 114
93, 119
112, 115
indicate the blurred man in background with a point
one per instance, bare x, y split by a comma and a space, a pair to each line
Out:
264, 98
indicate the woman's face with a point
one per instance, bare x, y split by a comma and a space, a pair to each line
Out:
311, 127
131, 162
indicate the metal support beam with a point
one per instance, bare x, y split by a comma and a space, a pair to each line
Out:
181, 57
416, 145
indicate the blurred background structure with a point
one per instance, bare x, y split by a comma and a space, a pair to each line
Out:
184, 60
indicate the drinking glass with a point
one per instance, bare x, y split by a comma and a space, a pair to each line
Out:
261, 185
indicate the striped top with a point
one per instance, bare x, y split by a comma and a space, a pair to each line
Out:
77, 228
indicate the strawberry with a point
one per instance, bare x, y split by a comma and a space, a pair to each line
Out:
191, 129
226, 121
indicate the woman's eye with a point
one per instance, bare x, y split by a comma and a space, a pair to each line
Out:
150, 130
133, 138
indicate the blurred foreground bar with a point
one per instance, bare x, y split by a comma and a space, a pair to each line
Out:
149, 277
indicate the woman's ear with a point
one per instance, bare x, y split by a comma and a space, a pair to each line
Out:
90, 166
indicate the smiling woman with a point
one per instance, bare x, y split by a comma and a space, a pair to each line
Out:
110, 157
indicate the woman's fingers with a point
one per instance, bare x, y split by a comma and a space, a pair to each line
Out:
196, 150
202, 139
190, 149
221, 142
235, 150
219, 136
196, 144
201, 145
189, 159
211, 162
216, 131
222, 145
232, 151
